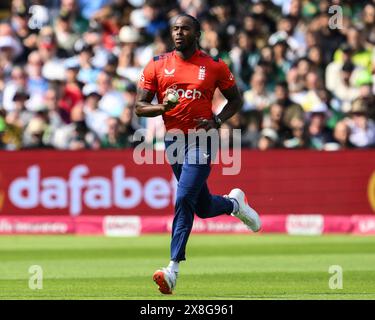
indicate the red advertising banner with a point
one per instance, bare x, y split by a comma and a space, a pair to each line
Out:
89, 183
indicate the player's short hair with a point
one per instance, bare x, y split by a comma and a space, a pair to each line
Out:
196, 23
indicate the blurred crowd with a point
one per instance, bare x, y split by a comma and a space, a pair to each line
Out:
69, 70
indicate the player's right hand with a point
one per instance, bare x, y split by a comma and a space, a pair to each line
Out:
169, 105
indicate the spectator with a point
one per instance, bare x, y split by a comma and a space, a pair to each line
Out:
282, 64
309, 98
129, 41
275, 121
34, 134
227, 132
283, 99
112, 101
87, 72
224, 12
128, 116
2, 133
18, 82
216, 45
304, 66
268, 139
88, 7
65, 35
110, 19
327, 38
53, 68
111, 67
78, 20
157, 22
361, 56
36, 83
94, 117
286, 31
258, 97
19, 22
71, 93
93, 37
341, 136
261, 12
20, 115
2, 86
127, 126
334, 68
315, 55
368, 23
54, 116
244, 56
10, 48
299, 138
160, 45
344, 90
128, 65
80, 136
251, 132
115, 139
76, 135
318, 131
193, 7
362, 129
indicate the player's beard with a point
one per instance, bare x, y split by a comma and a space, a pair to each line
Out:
184, 45
181, 46
177, 47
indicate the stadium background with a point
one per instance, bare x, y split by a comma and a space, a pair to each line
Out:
68, 78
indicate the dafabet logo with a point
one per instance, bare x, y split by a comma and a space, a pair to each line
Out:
371, 191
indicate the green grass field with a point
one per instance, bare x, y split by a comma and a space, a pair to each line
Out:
218, 267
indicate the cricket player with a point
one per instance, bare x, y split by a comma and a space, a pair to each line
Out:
194, 76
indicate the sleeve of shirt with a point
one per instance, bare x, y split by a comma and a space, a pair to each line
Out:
148, 77
225, 77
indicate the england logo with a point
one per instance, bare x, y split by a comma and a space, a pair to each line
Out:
202, 73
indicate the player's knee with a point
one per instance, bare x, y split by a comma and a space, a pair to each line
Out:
202, 211
200, 214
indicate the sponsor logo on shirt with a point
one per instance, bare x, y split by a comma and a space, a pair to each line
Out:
169, 73
187, 94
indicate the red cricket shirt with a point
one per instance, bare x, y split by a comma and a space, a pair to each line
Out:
195, 80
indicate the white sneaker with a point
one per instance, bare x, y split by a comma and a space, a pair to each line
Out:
166, 280
245, 213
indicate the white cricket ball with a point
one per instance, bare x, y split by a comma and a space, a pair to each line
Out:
172, 97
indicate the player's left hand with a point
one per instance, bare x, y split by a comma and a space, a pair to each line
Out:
205, 124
